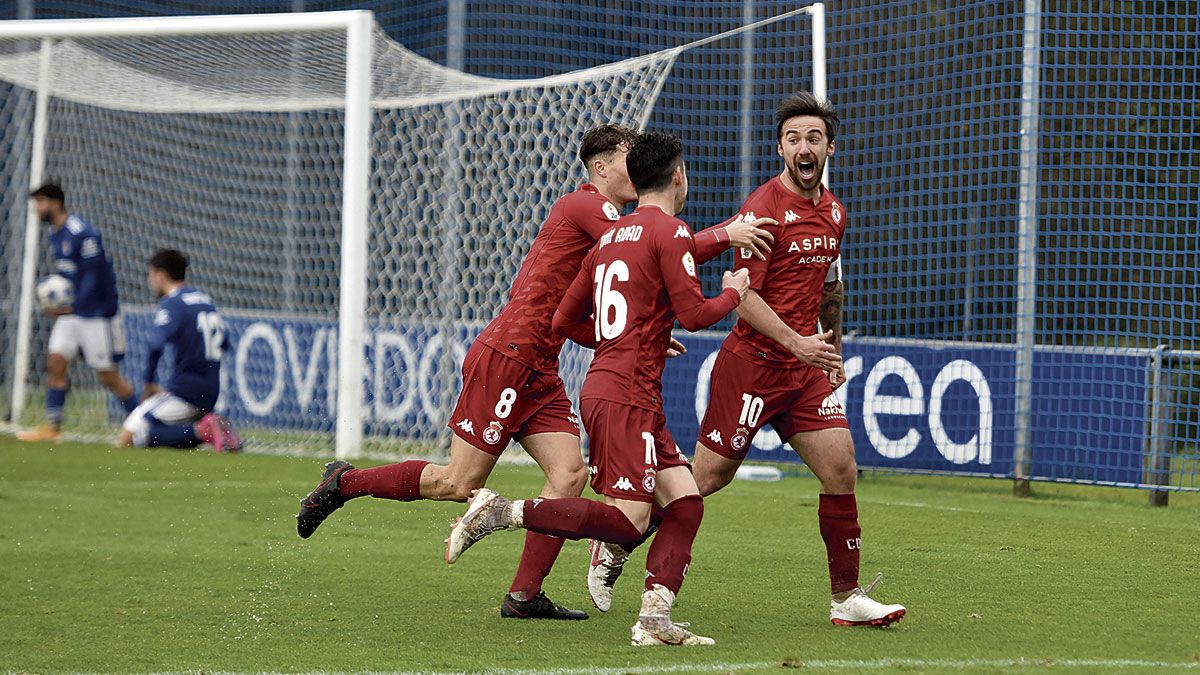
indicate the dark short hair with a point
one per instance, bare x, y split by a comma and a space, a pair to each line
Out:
804, 104
172, 262
604, 139
50, 191
652, 160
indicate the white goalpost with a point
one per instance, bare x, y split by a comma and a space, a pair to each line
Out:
357, 211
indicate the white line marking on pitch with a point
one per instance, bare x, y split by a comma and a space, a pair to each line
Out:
871, 664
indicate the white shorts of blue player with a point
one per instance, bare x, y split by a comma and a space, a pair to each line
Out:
161, 408
101, 340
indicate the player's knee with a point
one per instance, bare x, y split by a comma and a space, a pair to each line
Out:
840, 476
709, 482
567, 481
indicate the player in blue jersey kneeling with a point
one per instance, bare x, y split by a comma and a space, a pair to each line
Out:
179, 413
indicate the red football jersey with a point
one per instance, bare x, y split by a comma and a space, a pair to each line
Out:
805, 255
640, 277
522, 329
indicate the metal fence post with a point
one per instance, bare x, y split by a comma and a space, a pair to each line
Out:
1159, 464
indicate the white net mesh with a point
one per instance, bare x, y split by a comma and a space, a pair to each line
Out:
230, 149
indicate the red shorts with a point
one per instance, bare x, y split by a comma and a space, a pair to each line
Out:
743, 396
503, 399
627, 447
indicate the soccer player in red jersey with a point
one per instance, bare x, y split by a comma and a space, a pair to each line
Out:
511, 388
776, 367
640, 277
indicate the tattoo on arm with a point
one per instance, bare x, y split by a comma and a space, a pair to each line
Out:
831, 312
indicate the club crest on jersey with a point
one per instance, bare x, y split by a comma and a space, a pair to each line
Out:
689, 264
648, 481
491, 435
740, 439
611, 211
836, 212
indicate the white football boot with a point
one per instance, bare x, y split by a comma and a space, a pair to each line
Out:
608, 560
654, 626
859, 609
487, 513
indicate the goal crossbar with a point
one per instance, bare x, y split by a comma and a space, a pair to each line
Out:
358, 26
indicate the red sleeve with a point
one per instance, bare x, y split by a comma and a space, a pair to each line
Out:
591, 214
743, 259
712, 241
677, 264
573, 319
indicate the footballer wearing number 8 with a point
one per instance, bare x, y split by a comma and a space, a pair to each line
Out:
640, 277
779, 367
511, 387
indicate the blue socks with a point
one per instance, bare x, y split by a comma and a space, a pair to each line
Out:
56, 399
173, 436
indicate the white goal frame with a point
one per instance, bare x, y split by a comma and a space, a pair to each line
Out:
358, 27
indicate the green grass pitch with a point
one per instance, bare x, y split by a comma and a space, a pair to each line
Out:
140, 561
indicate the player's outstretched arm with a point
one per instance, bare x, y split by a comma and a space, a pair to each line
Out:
754, 236
811, 349
572, 319
677, 264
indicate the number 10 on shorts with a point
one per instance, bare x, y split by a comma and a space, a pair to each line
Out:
752, 407
651, 453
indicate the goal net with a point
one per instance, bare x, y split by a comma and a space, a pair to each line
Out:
231, 148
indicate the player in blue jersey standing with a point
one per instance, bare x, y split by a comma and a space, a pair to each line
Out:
179, 413
92, 324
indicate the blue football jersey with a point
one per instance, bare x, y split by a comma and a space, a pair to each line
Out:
188, 321
80, 257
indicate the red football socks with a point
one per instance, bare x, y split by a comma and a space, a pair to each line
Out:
671, 553
579, 518
401, 482
838, 515
541, 550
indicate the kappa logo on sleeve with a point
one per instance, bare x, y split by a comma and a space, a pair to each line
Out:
90, 248
682, 232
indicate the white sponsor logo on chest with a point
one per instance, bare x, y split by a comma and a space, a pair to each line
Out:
816, 243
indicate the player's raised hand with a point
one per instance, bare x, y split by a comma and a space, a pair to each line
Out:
751, 236
815, 351
738, 281
675, 349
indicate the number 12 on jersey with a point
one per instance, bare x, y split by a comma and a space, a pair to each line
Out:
609, 300
212, 332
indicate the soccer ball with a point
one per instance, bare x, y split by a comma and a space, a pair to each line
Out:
55, 292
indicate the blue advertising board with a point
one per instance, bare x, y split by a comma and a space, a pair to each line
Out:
917, 406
